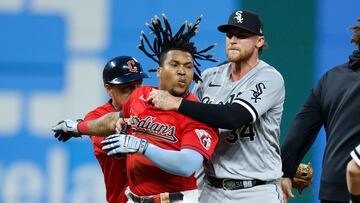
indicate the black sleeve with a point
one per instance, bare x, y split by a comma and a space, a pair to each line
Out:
301, 135
230, 116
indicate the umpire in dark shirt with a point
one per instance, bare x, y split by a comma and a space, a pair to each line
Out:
334, 103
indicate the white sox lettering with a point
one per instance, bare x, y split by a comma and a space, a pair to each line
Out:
207, 100
155, 129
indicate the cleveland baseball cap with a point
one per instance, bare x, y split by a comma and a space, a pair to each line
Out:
244, 19
123, 69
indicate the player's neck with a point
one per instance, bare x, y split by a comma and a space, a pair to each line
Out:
241, 68
113, 104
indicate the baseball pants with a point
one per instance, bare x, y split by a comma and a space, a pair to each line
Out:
269, 193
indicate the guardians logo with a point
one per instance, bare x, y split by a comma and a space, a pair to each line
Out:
155, 129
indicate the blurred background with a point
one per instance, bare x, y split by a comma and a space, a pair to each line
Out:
51, 58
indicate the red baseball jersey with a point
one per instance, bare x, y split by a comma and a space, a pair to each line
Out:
169, 130
114, 169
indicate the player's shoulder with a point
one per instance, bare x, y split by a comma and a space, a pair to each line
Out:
334, 75
107, 107
335, 71
215, 72
99, 111
267, 70
215, 69
143, 90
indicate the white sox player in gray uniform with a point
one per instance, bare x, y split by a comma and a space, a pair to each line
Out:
244, 99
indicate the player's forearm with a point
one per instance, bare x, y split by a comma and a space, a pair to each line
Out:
301, 135
231, 116
182, 163
100, 127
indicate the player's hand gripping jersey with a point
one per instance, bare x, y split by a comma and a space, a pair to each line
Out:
168, 130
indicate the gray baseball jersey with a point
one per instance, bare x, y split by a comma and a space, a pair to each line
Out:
251, 152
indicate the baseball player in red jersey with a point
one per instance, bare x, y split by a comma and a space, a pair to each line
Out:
165, 148
169, 131
121, 76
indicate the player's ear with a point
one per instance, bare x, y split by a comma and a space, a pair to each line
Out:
260, 41
138, 83
158, 72
108, 89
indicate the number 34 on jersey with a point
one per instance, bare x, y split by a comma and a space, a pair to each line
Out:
245, 132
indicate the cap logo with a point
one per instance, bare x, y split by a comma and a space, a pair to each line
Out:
239, 17
132, 67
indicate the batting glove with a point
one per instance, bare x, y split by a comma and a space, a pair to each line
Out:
123, 143
66, 129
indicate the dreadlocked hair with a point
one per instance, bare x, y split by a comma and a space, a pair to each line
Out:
356, 37
164, 41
